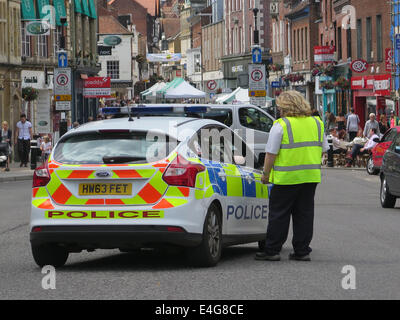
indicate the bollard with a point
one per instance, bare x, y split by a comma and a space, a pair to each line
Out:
330, 152
34, 154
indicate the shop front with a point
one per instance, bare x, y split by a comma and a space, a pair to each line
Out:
371, 94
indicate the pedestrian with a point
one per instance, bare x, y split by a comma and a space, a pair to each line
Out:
331, 124
90, 119
46, 147
341, 122
75, 125
383, 124
293, 165
394, 120
371, 124
100, 117
6, 138
24, 135
353, 122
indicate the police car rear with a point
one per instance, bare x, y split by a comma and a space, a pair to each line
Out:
120, 184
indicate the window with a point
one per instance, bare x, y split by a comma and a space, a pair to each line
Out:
379, 54
339, 43
221, 115
57, 39
359, 39
349, 46
197, 63
41, 46
26, 41
113, 69
254, 119
369, 39
306, 43
389, 136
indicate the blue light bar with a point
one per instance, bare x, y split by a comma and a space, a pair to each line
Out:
136, 110
153, 109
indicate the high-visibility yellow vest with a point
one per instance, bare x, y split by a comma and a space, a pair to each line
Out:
299, 159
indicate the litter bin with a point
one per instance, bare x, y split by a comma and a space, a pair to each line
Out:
35, 152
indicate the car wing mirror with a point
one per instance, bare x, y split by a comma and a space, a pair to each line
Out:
397, 150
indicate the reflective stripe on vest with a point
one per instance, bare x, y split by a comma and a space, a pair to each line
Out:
299, 158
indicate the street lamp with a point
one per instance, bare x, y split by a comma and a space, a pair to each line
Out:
255, 34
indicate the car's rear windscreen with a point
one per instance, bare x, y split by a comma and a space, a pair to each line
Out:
113, 147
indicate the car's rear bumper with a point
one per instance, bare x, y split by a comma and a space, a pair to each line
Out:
108, 237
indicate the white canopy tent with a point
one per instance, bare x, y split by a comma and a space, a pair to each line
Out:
185, 91
239, 95
152, 91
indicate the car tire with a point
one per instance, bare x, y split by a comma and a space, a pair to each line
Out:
49, 254
370, 167
208, 253
387, 200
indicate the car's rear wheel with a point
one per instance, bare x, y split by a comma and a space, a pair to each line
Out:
209, 251
49, 254
370, 167
387, 200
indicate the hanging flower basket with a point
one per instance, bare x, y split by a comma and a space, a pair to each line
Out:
275, 67
327, 85
29, 93
342, 83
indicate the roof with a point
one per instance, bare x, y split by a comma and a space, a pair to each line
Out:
171, 126
171, 26
150, 5
110, 25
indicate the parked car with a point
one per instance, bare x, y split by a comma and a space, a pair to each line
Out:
374, 163
390, 174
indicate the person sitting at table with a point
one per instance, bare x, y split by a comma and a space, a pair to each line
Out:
338, 143
359, 149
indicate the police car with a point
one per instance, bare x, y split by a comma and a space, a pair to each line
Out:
145, 181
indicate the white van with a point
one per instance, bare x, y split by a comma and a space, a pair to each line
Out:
245, 119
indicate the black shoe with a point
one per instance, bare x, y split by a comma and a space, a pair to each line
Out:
21, 165
266, 257
293, 256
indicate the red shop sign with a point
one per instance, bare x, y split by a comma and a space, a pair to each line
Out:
380, 84
359, 66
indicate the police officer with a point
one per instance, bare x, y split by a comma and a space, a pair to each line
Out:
293, 165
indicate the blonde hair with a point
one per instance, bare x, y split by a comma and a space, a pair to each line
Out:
293, 104
46, 138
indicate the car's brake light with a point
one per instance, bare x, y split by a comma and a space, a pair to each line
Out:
182, 172
41, 177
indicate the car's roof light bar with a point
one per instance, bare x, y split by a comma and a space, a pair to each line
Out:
152, 109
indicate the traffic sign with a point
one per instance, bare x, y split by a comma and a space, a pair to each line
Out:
256, 54
63, 105
62, 59
257, 93
62, 81
211, 85
62, 97
257, 84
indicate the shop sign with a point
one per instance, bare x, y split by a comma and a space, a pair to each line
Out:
112, 40
238, 68
380, 84
324, 54
97, 87
388, 59
38, 28
359, 66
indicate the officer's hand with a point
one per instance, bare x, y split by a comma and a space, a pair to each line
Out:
265, 179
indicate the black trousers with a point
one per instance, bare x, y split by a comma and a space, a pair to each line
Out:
296, 201
352, 135
24, 147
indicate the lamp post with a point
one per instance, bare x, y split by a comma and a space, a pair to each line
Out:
255, 33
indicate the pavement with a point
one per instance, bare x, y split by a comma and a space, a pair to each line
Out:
16, 173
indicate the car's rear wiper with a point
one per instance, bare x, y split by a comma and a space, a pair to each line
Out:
121, 159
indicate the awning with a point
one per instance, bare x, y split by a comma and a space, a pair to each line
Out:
78, 6
92, 8
28, 10
85, 7
59, 6
43, 7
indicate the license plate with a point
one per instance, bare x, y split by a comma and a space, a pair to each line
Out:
92, 189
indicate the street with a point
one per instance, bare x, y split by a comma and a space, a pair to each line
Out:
351, 228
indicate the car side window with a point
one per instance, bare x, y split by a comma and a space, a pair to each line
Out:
389, 136
255, 119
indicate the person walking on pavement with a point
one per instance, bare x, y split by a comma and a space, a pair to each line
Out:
5, 138
293, 165
371, 124
24, 135
353, 122
393, 121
